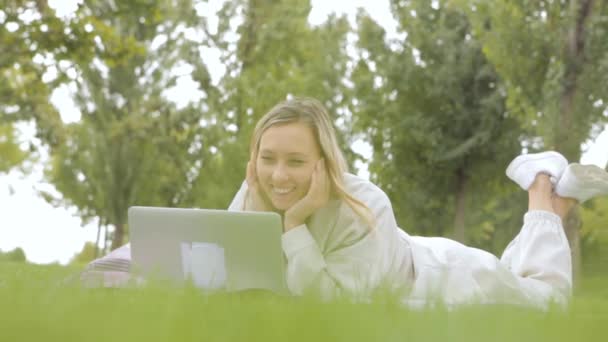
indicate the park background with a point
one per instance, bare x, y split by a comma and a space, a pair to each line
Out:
106, 104
114, 104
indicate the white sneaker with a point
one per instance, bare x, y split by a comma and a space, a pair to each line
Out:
523, 169
582, 182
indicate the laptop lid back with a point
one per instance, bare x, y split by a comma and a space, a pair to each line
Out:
217, 249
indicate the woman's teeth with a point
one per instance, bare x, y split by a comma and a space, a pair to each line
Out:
282, 191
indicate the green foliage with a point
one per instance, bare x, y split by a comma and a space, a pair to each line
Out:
594, 235
86, 255
16, 255
10, 152
20, 84
553, 61
38, 44
40, 303
442, 124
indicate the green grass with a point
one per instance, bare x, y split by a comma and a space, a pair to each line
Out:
37, 303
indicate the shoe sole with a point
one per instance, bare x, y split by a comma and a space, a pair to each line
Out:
519, 161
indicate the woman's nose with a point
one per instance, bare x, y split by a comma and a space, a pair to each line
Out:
279, 173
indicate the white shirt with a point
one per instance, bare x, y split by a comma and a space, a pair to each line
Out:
336, 253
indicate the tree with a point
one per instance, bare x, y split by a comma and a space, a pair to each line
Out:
132, 146
435, 108
86, 255
16, 255
553, 58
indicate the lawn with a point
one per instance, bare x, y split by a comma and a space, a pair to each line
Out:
40, 303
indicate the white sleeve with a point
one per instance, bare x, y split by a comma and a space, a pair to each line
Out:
353, 265
342, 271
540, 256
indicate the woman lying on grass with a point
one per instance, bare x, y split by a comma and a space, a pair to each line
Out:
341, 238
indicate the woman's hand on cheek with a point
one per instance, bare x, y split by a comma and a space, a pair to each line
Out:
254, 200
316, 198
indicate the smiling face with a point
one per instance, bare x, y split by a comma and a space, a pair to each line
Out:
286, 158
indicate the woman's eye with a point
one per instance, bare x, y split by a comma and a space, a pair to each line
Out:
267, 159
296, 162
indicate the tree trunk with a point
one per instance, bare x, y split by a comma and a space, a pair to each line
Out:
461, 196
105, 240
247, 45
118, 236
97, 240
572, 225
567, 138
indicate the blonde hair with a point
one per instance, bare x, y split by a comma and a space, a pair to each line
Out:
313, 113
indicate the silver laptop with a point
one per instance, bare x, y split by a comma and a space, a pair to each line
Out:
215, 249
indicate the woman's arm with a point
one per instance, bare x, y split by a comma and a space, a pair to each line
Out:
355, 259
